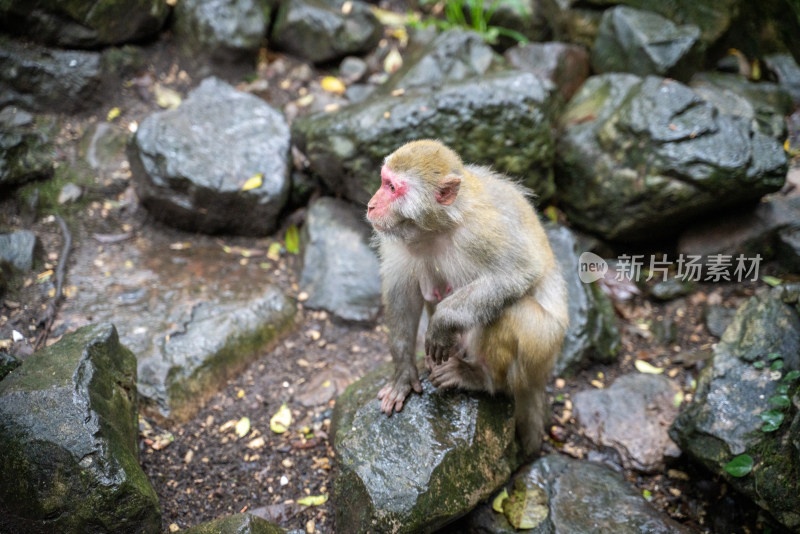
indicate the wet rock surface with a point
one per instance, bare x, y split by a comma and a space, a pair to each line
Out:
320, 30
726, 417
26, 149
221, 29
592, 332
84, 25
190, 165
650, 156
17, 249
352, 142
44, 79
607, 502
632, 417
68, 440
193, 316
642, 42
340, 268
421, 467
237, 524
566, 65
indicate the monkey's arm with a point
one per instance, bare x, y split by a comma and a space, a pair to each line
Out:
476, 303
403, 306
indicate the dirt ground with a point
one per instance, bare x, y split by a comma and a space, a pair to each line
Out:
203, 470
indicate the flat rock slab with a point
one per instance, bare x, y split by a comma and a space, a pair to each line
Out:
422, 467
68, 450
633, 417
192, 315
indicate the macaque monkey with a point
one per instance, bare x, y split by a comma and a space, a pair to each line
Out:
465, 243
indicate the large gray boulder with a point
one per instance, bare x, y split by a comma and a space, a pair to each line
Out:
222, 29
84, 24
346, 148
422, 467
340, 269
44, 79
752, 383
68, 440
639, 157
592, 332
190, 164
324, 30
643, 42
570, 496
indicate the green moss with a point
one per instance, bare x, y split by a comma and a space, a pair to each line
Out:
44, 195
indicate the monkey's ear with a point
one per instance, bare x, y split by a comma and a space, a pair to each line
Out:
447, 190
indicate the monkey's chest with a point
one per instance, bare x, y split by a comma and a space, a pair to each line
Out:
435, 287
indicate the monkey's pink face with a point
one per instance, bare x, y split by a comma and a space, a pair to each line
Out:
381, 210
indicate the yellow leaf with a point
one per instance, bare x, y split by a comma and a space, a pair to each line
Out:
113, 113
393, 61
313, 500
274, 251
167, 98
279, 423
332, 84
497, 503
390, 18
305, 101
786, 145
253, 182
243, 427
240, 393
256, 443
644, 367
401, 34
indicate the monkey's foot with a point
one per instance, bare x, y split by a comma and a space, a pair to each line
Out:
460, 373
393, 394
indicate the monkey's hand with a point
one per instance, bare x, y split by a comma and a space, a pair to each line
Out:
442, 343
393, 394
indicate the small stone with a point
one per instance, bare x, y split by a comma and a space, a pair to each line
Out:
70, 193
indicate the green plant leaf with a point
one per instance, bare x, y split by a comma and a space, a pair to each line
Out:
774, 356
782, 389
777, 365
759, 365
791, 375
781, 401
771, 281
772, 420
293, 240
740, 465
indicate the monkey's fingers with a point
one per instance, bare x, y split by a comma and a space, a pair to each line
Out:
392, 397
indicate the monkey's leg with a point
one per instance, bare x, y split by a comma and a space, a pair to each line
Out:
539, 334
